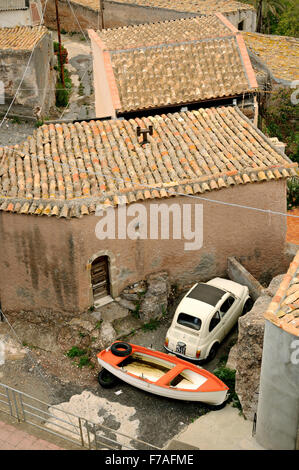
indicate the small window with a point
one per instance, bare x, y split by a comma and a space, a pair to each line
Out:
227, 304
214, 321
189, 321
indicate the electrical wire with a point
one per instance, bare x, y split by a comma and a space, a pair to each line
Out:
25, 71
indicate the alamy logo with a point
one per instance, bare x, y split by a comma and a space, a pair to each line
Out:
295, 354
155, 222
295, 94
2, 353
2, 93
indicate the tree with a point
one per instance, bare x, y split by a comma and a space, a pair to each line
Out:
264, 10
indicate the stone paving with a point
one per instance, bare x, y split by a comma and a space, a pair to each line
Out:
12, 438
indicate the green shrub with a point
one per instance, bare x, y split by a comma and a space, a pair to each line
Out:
75, 352
228, 376
293, 192
151, 325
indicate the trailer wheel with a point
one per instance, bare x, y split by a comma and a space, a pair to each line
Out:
106, 379
121, 349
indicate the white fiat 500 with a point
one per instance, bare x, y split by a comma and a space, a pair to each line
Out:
204, 317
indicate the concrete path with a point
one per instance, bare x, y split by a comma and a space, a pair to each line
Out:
224, 429
12, 438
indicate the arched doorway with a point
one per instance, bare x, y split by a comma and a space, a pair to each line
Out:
100, 280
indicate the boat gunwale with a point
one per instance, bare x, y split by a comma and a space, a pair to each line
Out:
173, 359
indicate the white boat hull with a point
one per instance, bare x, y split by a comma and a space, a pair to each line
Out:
211, 398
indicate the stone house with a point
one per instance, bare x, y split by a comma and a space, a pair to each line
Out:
279, 380
61, 183
127, 12
275, 58
19, 47
72, 13
20, 13
98, 14
172, 64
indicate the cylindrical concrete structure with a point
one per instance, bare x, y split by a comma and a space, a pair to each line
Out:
278, 405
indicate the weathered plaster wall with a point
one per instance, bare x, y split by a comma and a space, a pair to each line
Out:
279, 391
45, 262
37, 93
87, 17
9, 19
120, 14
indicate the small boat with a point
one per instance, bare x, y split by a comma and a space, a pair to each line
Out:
162, 374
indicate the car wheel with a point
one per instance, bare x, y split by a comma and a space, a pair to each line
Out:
213, 352
106, 379
247, 306
121, 349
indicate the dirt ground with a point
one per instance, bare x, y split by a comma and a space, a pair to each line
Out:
55, 379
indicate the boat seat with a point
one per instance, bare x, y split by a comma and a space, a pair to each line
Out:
170, 375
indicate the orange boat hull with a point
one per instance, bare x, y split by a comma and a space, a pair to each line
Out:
164, 375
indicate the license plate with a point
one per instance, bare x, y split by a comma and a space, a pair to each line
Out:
181, 348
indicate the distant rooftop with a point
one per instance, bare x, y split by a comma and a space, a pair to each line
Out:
192, 6
175, 62
280, 54
66, 170
21, 38
283, 311
6, 5
93, 4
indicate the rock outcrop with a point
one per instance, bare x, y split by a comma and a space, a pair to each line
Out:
149, 299
246, 355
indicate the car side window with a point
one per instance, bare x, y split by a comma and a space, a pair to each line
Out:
227, 305
214, 321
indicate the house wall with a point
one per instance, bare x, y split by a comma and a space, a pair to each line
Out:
37, 93
45, 262
9, 19
29, 17
121, 14
279, 391
87, 17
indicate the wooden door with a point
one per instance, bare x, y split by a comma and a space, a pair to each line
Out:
100, 277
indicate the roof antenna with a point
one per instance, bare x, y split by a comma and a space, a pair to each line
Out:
144, 133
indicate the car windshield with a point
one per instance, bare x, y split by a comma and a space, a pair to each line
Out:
189, 321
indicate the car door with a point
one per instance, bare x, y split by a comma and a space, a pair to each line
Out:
229, 312
215, 331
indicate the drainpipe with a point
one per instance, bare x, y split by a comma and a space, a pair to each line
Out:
256, 111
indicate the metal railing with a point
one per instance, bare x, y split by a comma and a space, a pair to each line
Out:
64, 424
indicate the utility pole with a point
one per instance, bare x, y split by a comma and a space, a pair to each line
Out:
102, 12
59, 41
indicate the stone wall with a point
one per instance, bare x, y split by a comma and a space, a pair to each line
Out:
45, 262
246, 355
86, 17
123, 14
120, 14
37, 93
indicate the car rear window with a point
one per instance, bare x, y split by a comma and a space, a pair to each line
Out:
206, 293
189, 321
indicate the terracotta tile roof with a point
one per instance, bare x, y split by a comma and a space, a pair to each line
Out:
283, 311
166, 32
177, 62
21, 38
279, 53
93, 4
66, 169
192, 6
6, 5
